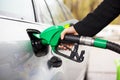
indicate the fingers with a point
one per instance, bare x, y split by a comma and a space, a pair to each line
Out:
63, 34
69, 30
65, 31
62, 47
65, 46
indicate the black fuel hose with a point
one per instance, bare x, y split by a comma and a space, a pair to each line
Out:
96, 42
113, 46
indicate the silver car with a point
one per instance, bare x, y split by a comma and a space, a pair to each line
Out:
21, 58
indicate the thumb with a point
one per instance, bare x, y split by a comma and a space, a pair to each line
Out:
63, 34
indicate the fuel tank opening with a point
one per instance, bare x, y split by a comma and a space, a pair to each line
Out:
38, 48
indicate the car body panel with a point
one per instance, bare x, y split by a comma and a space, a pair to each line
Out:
18, 60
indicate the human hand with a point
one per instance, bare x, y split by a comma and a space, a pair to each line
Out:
69, 30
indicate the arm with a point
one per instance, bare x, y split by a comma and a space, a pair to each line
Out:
94, 22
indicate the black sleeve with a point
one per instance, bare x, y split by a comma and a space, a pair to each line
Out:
94, 22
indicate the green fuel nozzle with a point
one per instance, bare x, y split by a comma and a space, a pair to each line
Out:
51, 36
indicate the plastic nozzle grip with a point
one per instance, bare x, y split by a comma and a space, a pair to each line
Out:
71, 39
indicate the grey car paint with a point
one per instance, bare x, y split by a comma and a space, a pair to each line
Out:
17, 59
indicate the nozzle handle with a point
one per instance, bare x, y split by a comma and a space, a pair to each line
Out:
71, 39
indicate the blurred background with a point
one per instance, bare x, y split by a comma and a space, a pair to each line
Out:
80, 8
101, 62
